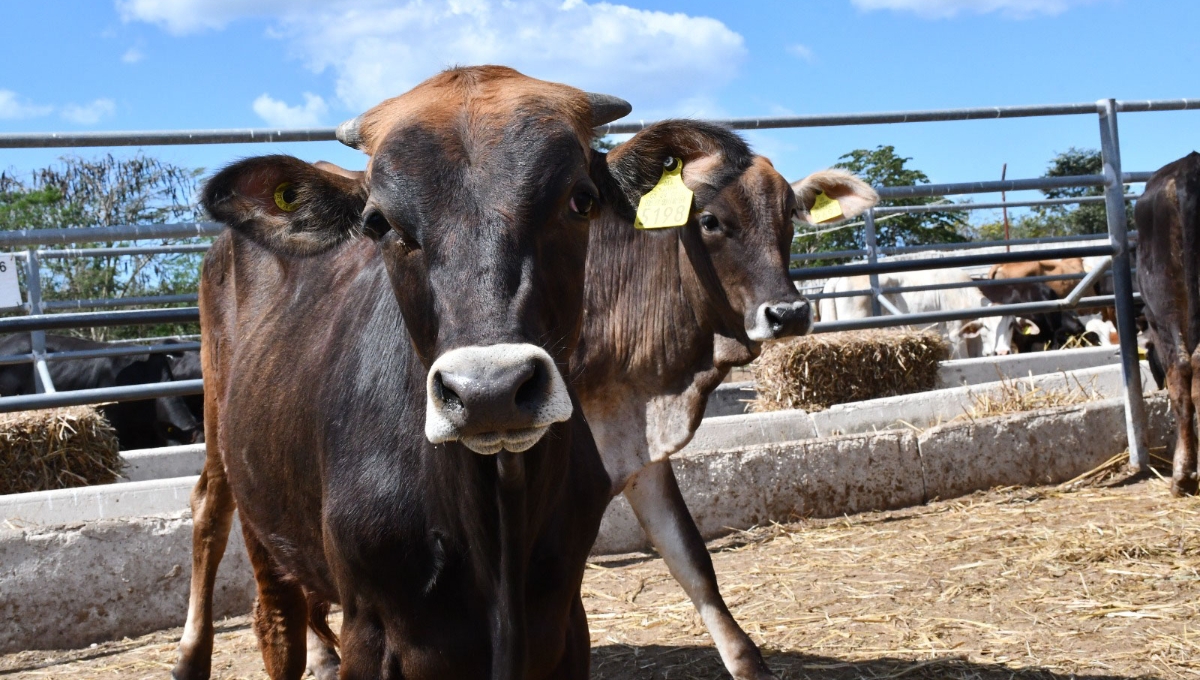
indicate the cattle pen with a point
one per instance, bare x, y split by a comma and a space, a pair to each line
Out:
953, 640
1118, 246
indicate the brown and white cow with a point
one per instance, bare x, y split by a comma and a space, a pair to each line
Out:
355, 383
1168, 274
1022, 270
668, 313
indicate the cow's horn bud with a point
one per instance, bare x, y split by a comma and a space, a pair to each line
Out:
607, 108
348, 133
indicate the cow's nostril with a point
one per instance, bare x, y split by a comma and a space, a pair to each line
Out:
444, 394
532, 391
775, 318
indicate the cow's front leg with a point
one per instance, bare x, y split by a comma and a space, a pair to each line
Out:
654, 495
212, 516
280, 614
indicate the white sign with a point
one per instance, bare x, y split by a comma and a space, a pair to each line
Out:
10, 290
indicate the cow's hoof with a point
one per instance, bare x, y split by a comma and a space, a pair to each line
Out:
1184, 487
185, 670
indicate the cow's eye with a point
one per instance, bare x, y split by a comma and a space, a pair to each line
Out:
710, 223
582, 203
374, 224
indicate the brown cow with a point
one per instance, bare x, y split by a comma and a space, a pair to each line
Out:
1021, 270
447, 564
668, 314
1168, 274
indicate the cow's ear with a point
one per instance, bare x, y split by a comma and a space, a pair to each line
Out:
286, 205
1027, 326
971, 329
854, 195
712, 157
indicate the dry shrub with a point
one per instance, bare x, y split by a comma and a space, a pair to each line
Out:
56, 449
815, 372
1016, 396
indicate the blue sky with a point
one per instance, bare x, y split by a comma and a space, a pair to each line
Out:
163, 64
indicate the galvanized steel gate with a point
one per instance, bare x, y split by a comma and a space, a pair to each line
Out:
1118, 246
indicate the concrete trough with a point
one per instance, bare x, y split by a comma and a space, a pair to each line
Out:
164, 463
733, 398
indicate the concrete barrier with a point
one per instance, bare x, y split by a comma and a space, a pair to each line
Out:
724, 432
69, 586
740, 487
928, 409
989, 369
82, 583
91, 503
730, 398
164, 463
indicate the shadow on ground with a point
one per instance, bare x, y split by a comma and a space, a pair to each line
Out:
654, 662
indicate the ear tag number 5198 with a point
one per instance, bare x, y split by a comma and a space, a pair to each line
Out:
669, 203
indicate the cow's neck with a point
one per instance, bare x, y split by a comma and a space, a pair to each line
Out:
510, 647
651, 350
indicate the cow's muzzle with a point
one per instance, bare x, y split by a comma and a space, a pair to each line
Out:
774, 320
494, 397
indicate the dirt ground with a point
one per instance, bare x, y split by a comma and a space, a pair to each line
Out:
1045, 583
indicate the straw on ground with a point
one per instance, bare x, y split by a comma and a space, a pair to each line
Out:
1047, 583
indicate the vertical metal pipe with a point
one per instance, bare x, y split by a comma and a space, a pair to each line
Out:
1114, 205
37, 339
872, 259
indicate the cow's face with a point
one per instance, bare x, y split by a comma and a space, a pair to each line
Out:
747, 233
479, 195
747, 236
996, 333
479, 191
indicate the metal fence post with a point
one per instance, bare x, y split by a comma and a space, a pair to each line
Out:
1114, 204
872, 259
37, 339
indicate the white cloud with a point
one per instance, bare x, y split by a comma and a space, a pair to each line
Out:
278, 114
132, 55
13, 106
380, 48
941, 9
802, 51
89, 114
181, 17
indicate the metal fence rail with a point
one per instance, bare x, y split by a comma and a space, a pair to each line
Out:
1116, 244
25, 402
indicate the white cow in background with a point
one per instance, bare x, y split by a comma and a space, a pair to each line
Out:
986, 336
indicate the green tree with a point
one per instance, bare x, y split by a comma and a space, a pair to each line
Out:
1063, 220
81, 193
883, 167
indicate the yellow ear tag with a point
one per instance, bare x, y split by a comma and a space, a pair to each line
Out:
669, 203
281, 197
825, 209
1142, 354
1026, 330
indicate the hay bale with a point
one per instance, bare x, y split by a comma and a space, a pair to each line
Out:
815, 372
56, 449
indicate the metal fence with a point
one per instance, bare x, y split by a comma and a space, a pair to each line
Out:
1116, 244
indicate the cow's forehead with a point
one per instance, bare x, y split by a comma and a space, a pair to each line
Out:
475, 105
760, 192
763, 179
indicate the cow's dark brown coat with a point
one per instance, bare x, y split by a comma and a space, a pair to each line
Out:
1168, 272
317, 382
